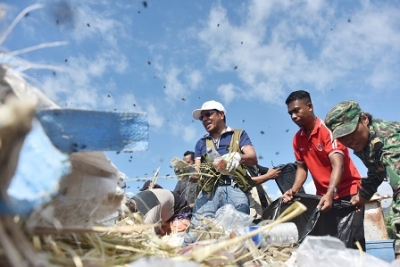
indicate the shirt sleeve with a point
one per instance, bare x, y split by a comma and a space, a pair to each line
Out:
331, 145
391, 153
262, 169
244, 140
297, 153
375, 175
370, 185
177, 189
200, 148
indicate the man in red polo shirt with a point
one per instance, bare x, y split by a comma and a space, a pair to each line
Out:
333, 172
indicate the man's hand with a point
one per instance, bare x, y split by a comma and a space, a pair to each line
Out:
325, 203
273, 173
231, 162
288, 196
131, 205
358, 201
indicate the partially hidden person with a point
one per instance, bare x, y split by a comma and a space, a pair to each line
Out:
187, 183
159, 205
377, 143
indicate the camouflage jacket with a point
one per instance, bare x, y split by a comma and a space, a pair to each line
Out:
381, 156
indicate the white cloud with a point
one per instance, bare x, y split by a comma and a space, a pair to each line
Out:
316, 45
194, 79
174, 87
189, 134
227, 92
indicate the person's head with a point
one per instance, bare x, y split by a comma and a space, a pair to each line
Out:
213, 116
300, 108
149, 184
349, 124
188, 157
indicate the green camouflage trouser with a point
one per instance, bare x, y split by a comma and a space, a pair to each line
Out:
395, 209
395, 222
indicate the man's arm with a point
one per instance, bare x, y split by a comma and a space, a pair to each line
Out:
336, 160
197, 164
249, 157
301, 177
271, 174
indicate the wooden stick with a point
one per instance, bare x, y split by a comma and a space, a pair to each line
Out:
125, 229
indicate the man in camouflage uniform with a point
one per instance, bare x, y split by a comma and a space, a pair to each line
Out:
377, 143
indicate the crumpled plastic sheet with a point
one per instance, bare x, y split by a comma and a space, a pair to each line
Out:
40, 167
159, 262
72, 130
230, 219
316, 251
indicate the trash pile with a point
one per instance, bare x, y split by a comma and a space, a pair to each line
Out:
58, 188
58, 191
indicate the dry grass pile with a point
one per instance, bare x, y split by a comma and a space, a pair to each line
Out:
126, 242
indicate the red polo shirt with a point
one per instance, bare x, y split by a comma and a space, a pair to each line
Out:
315, 150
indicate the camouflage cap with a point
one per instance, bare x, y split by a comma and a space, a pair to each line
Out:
342, 119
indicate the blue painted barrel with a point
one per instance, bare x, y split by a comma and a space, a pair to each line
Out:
382, 249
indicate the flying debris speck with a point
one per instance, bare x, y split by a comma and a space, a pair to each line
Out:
260, 157
63, 13
88, 24
243, 120
138, 12
118, 152
144, 3
287, 130
148, 62
134, 105
183, 99
218, 25
235, 68
261, 132
277, 153
66, 60
349, 20
108, 95
54, 73
27, 14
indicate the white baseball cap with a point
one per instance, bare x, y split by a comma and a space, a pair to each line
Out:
209, 105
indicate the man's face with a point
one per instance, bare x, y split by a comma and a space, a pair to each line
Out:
211, 119
300, 111
188, 159
358, 139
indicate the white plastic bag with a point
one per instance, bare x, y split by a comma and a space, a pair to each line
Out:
316, 251
230, 219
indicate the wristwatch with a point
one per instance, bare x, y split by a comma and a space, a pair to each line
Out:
334, 190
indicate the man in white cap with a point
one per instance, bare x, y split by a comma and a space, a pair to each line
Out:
223, 180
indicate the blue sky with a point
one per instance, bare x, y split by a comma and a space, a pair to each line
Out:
168, 58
